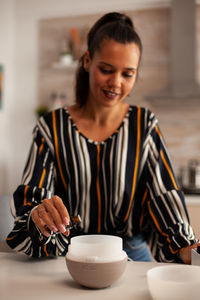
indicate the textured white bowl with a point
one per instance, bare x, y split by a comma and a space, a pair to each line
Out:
96, 261
174, 282
96, 247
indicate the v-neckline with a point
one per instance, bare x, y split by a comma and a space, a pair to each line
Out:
91, 140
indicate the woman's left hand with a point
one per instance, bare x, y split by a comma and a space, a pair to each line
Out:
185, 253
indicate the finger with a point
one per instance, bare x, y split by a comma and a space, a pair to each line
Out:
40, 223
58, 203
195, 245
185, 255
52, 217
37, 219
45, 213
66, 233
41, 210
46, 219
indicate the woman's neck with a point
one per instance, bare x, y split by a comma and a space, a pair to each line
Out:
98, 124
102, 115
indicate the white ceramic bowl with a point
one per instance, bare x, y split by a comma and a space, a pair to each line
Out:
174, 282
96, 261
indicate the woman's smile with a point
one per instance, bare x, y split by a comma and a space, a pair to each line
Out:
112, 72
110, 94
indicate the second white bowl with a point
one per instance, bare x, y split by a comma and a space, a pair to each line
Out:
177, 282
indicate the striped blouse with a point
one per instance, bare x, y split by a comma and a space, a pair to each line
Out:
121, 186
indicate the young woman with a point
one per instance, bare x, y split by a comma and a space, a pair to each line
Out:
104, 160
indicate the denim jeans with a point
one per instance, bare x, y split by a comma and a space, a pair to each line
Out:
136, 248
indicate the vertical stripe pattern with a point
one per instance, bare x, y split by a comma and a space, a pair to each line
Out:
123, 185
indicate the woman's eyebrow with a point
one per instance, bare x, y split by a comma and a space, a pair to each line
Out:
104, 63
130, 69
109, 65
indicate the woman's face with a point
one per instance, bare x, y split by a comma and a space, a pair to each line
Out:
112, 72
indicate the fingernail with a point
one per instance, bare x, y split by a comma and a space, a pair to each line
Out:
53, 228
66, 220
67, 232
62, 228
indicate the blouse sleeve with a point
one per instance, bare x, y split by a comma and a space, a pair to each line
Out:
37, 183
166, 220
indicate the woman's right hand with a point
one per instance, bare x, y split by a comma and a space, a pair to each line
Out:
185, 253
51, 215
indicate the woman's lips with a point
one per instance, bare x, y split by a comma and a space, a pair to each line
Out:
110, 95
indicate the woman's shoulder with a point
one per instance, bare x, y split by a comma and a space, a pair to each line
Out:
144, 112
51, 115
143, 116
52, 120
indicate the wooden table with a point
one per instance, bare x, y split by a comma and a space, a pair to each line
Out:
22, 277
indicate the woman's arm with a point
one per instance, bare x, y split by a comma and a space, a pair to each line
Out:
37, 184
165, 202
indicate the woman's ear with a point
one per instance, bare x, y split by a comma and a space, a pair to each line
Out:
86, 61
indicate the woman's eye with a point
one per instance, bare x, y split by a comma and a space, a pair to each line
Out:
129, 75
110, 71
105, 71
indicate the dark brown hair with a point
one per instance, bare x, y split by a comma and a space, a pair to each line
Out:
115, 26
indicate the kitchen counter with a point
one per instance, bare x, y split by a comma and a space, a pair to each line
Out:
27, 278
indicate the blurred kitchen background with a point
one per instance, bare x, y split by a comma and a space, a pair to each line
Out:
41, 41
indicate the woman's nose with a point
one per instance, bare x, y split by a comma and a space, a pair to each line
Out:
115, 80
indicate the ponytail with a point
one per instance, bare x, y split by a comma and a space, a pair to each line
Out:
82, 84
